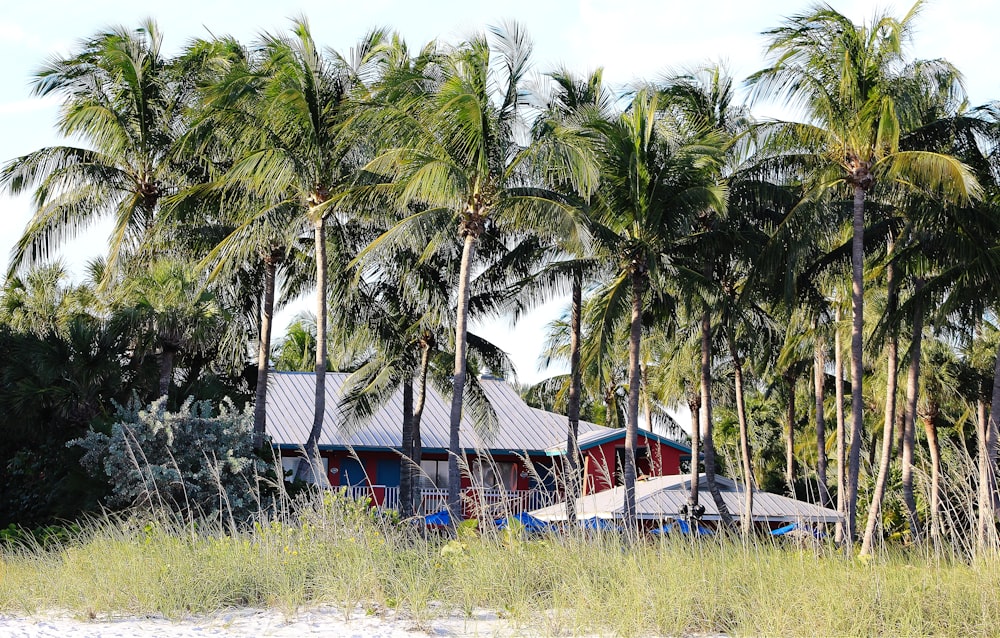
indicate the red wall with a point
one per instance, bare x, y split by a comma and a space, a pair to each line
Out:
600, 463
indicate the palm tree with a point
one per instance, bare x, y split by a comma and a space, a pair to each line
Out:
847, 79
451, 125
286, 110
657, 177
121, 98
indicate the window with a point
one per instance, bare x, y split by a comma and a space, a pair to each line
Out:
641, 463
492, 475
290, 465
434, 474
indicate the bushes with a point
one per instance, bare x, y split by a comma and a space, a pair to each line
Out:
190, 461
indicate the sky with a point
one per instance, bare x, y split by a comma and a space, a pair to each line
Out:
630, 39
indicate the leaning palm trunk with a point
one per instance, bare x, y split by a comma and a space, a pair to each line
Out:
838, 385
909, 422
857, 370
458, 385
706, 418
319, 411
263, 352
892, 364
632, 425
573, 402
741, 414
819, 376
930, 429
987, 527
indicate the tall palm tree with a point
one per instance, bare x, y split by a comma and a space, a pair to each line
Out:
286, 111
846, 78
657, 176
452, 126
121, 98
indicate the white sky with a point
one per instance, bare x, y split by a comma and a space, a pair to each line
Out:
629, 38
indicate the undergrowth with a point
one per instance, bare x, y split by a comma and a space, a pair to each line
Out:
334, 552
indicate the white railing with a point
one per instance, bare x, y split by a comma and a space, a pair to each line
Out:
478, 503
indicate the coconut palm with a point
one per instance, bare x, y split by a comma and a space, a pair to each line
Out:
452, 124
846, 78
121, 98
657, 177
285, 110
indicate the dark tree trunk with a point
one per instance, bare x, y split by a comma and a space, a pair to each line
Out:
406, 453
166, 369
819, 377
838, 385
573, 477
857, 352
632, 425
263, 352
706, 418
694, 404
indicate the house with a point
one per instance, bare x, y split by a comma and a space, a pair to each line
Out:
662, 499
513, 467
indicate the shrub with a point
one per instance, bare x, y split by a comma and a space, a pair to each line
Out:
190, 461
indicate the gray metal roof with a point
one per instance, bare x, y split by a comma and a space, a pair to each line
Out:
291, 397
663, 497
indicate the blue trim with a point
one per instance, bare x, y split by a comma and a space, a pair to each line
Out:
620, 434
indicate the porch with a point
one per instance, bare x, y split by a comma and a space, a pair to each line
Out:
477, 502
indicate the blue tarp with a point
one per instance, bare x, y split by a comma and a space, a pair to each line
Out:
438, 518
599, 524
682, 527
781, 531
530, 523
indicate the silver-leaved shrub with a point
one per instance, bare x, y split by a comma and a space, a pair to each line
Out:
193, 461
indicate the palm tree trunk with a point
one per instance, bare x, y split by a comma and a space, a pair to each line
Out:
458, 385
319, 410
892, 368
741, 415
573, 477
427, 343
857, 369
838, 388
930, 429
819, 378
406, 453
166, 370
790, 379
632, 425
987, 534
263, 352
693, 506
706, 418
909, 423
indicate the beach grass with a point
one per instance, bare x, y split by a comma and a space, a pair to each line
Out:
334, 553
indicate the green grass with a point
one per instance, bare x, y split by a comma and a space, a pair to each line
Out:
335, 554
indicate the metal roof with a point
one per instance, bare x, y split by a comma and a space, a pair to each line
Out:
663, 497
593, 438
291, 397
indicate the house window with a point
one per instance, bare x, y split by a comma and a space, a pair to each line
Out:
641, 463
434, 474
291, 464
493, 475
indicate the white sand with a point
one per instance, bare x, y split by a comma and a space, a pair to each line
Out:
246, 623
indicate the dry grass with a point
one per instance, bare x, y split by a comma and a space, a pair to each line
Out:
334, 553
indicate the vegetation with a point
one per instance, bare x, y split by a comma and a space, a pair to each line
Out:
711, 260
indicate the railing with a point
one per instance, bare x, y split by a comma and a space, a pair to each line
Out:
477, 502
